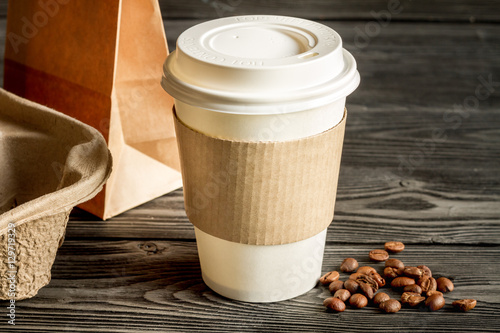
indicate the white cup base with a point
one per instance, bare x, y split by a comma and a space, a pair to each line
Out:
260, 273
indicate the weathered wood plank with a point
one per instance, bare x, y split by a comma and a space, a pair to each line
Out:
425, 10
3, 31
3, 8
131, 286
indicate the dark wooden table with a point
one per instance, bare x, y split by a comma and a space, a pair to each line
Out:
417, 167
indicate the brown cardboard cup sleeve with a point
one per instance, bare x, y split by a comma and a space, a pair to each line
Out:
260, 193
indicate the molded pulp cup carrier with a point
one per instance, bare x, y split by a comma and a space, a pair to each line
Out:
49, 163
265, 80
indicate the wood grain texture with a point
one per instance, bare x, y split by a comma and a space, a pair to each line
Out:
3, 9
407, 10
440, 194
142, 286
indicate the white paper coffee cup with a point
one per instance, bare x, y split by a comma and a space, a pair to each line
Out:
260, 78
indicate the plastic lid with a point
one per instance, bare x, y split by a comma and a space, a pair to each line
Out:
259, 64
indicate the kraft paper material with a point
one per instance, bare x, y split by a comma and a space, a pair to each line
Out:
49, 163
101, 62
260, 193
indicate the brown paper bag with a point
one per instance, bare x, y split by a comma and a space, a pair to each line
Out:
101, 62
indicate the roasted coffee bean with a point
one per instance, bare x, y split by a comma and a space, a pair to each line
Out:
366, 270
390, 272
464, 304
413, 288
379, 279
427, 283
356, 275
435, 302
444, 285
358, 301
368, 280
415, 300
352, 286
402, 281
427, 270
378, 255
413, 272
342, 294
372, 274
406, 295
396, 263
433, 292
394, 247
334, 304
349, 265
412, 299
365, 281
390, 306
366, 289
380, 298
329, 277
336, 285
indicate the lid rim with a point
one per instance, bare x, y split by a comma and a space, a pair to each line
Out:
229, 103
192, 75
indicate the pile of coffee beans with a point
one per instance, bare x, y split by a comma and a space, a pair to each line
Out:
416, 283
